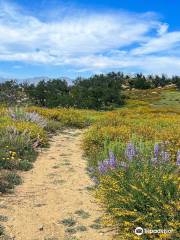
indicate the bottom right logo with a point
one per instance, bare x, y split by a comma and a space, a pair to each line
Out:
139, 231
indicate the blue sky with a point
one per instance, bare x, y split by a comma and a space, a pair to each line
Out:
79, 38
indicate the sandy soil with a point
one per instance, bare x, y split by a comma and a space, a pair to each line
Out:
52, 191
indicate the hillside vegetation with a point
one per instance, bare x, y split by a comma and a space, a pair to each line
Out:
99, 92
133, 152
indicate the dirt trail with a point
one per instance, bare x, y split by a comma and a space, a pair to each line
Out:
52, 191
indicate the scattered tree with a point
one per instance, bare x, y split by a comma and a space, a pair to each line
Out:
103, 91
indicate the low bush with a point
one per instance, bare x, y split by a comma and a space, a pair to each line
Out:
139, 192
15, 146
8, 180
1, 230
19, 114
25, 165
35, 132
19, 138
13, 179
53, 126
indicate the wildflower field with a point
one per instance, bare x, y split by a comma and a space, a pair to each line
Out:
133, 156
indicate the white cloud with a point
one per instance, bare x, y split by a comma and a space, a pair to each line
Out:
86, 40
73, 34
163, 28
147, 64
166, 42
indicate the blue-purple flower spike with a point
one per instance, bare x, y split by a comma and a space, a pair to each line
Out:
130, 151
112, 156
156, 150
112, 160
102, 167
178, 158
107, 164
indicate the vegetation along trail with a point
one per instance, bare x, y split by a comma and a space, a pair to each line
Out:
54, 201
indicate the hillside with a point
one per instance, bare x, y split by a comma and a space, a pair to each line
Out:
118, 173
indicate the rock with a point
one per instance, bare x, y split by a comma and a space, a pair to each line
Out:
41, 227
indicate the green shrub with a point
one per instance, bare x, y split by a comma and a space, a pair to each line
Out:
10, 136
8, 164
8, 180
4, 186
25, 165
69, 222
14, 147
13, 178
1, 230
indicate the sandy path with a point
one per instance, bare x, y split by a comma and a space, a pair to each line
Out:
54, 190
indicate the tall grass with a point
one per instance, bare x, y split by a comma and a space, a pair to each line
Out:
20, 134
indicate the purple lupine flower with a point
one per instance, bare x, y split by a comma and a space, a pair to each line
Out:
156, 151
112, 160
102, 167
130, 151
178, 158
112, 156
107, 164
165, 156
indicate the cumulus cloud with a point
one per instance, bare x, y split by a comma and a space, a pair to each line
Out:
124, 61
166, 42
91, 41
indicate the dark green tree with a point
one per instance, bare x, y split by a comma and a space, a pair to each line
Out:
140, 82
98, 92
53, 93
11, 93
176, 80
